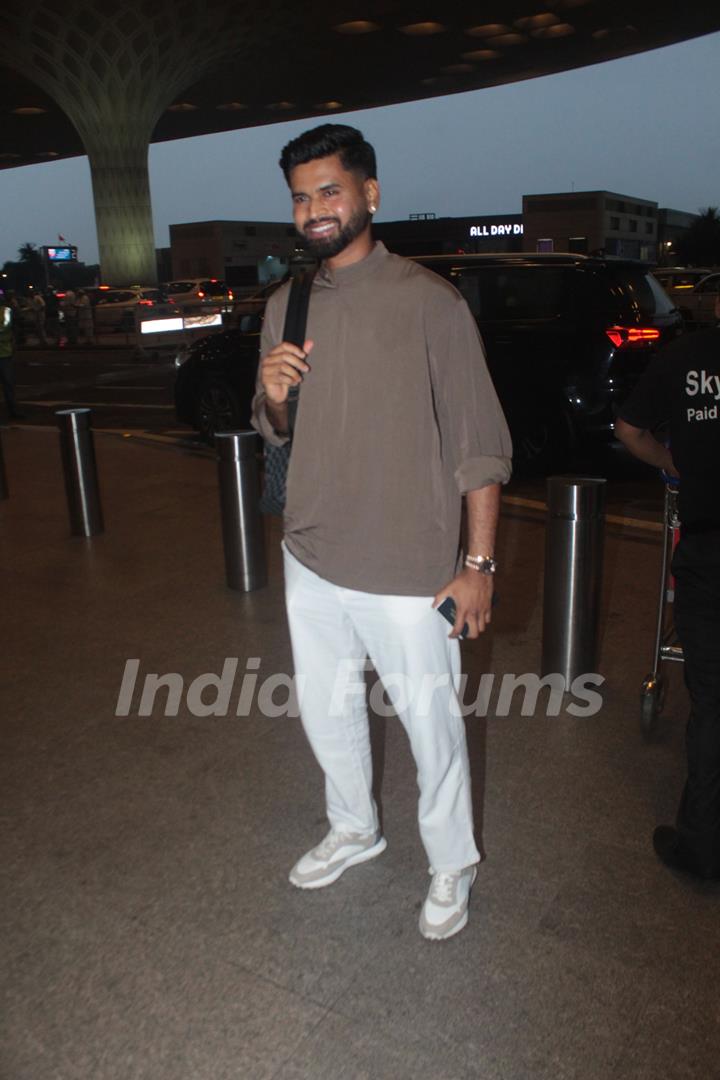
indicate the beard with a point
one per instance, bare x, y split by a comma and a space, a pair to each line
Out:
324, 248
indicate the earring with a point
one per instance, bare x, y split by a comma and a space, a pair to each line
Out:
372, 209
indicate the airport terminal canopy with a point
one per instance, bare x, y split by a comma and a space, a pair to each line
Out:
82, 76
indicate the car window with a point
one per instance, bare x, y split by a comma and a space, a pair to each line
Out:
180, 286
710, 284
152, 294
633, 293
499, 294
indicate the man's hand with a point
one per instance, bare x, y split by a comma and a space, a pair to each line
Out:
472, 593
283, 367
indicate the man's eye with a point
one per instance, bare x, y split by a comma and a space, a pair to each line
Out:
331, 192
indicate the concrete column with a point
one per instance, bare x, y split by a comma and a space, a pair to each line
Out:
114, 69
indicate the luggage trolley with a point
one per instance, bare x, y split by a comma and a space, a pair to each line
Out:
667, 646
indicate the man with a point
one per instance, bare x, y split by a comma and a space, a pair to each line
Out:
7, 356
682, 389
397, 419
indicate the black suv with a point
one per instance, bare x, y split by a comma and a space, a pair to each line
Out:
566, 336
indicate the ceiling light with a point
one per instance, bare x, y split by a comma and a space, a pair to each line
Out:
329, 105
456, 69
487, 30
231, 106
8, 155
509, 39
29, 110
532, 22
182, 106
281, 106
47, 153
481, 54
556, 31
422, 29
357, 26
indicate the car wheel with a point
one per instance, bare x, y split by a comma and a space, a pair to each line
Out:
218, 409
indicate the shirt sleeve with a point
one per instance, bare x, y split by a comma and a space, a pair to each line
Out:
271, 335
472, 424
648, 405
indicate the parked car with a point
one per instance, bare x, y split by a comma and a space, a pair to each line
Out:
697, 305
115, 310
677, 280
215, 381
199, 293
566, 336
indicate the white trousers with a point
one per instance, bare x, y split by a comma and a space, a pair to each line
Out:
333, 631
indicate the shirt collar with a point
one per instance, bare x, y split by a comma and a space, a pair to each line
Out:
347, 275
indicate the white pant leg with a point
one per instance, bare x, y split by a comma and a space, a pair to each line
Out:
408, 644
330, 656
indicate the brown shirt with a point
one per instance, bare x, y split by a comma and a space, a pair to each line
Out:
397, 418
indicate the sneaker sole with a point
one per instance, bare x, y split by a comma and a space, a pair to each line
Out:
353, 860
430, 935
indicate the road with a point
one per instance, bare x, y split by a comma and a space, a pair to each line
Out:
126, 392
134, 395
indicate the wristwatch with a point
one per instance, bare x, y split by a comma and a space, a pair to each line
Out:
484, 564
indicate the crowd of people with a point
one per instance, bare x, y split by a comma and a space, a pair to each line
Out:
51, 318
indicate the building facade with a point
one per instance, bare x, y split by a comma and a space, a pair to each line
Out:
425, 234
241, 253
591, 222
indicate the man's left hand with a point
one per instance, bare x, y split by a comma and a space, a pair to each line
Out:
472, 593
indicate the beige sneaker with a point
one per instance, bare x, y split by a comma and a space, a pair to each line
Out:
325, 863
445, 911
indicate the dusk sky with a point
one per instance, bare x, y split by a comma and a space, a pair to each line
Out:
645, 126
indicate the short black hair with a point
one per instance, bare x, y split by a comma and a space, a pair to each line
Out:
356, 155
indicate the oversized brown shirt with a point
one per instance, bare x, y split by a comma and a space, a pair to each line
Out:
396, 420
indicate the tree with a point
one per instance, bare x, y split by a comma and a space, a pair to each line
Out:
700, 246
29, 253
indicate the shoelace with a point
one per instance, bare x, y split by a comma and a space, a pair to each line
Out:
443, 887
327, 846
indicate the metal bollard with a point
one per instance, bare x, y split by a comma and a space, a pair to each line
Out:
242, 526
4, 490
81, 482
573, 574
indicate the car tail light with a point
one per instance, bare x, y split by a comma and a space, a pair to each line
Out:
147, 303
230, 295
200, 294
624, 336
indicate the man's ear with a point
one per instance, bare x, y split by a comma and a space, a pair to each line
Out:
372, 195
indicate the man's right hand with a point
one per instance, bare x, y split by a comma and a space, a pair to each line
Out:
283, 367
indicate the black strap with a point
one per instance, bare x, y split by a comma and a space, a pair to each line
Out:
294, 332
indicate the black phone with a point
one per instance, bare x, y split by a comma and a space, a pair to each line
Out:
448, 611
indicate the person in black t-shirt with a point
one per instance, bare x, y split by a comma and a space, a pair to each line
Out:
681, 389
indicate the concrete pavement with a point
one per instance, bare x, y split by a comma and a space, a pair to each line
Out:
150, 931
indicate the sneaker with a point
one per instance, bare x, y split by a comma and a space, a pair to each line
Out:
445, 911
331, 858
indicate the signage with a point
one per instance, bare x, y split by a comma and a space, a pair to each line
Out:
508, 229
66, 253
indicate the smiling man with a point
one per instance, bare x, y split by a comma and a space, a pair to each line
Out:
397, 421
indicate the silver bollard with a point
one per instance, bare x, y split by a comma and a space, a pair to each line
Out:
81, 482
4, 490
242, 526
573, 574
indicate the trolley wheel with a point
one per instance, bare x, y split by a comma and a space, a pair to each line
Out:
652, 697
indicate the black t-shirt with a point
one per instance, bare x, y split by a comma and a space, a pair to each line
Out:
681, 388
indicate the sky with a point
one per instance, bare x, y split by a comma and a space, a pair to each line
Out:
644, 126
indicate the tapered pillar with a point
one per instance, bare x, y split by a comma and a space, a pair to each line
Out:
123, 213
114, 69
